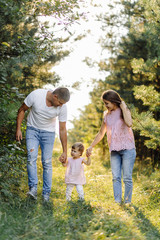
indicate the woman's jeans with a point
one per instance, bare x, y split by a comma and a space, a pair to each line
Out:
44, 139
122, 161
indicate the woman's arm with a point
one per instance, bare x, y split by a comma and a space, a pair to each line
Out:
97, 139
126, 114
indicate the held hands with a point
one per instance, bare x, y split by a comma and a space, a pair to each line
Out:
89, 151
63, 158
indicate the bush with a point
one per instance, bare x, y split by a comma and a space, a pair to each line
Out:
12, 169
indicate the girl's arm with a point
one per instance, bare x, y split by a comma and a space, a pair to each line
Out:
126, 114
97, 139
87, 162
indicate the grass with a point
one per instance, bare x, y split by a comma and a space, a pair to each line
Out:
96, 218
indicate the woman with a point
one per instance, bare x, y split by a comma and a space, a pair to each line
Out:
117, 123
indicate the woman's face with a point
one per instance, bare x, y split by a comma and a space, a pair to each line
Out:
109, 105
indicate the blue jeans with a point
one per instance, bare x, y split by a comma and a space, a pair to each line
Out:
44, 139
122, 160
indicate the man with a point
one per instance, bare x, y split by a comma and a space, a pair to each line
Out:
44, 106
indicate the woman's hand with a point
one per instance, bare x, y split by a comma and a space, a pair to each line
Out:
123, 105
126, 114
89, 151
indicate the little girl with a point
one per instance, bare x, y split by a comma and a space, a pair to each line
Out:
75, 171
117, 123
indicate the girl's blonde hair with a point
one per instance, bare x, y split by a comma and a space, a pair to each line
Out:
79, 146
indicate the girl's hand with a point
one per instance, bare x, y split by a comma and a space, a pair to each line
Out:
89, 151
64, 164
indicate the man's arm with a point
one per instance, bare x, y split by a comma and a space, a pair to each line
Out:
63, 138
20, 117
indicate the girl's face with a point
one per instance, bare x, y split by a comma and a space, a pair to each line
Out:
75, 153
109, 105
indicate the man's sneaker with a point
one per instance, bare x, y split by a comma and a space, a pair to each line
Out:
46, 197
33, 193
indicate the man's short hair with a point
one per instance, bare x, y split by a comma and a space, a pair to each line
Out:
62, 93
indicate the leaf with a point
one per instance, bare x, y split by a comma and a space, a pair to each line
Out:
6, 44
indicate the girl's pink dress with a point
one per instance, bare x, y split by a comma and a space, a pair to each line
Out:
75, 172
119, 135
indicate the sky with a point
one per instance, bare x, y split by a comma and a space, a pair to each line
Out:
73, 68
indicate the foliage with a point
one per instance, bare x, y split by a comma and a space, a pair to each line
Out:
130, 34
147, 123
27, 45
12, 156
12, 169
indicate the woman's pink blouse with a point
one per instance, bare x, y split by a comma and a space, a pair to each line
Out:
119, 135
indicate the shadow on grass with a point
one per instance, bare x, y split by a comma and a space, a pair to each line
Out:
82, 220
144, 225
59, 221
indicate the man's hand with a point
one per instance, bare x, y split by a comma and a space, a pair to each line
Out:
18, 135
63, 158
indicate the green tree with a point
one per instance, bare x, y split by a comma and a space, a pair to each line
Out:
133, 66
134, 71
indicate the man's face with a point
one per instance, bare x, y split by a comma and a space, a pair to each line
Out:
56, 102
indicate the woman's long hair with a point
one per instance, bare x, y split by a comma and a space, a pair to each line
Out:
112, 96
